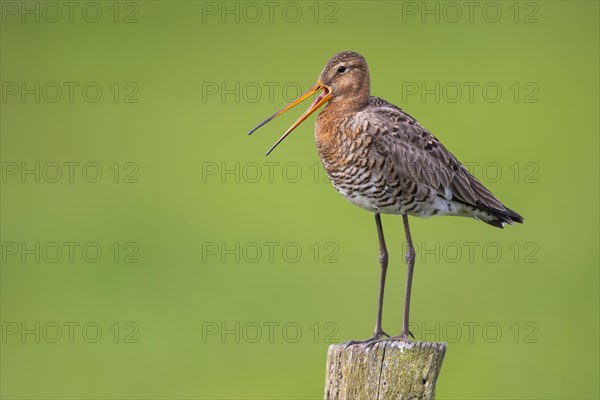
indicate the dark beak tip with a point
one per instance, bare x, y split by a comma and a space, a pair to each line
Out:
254, 129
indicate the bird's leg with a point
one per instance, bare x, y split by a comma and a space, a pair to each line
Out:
383, 261
379, 334
410, 265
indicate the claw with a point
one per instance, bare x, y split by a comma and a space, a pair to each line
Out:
367, 342
403, 336
377, 337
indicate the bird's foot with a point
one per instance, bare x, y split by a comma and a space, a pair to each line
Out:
403, 336
378, 336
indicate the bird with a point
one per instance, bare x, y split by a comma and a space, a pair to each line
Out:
381, 159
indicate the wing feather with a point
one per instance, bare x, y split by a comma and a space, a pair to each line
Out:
423, 158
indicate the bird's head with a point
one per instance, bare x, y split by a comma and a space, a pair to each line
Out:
344, 80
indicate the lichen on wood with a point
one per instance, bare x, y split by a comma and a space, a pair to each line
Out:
385, 370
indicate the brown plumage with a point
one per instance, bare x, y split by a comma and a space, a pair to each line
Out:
381, 159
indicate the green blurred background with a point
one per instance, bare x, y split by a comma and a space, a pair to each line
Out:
191, 302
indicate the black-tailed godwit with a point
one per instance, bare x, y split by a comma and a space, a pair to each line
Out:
381, 159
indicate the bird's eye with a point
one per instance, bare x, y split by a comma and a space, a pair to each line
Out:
341, 69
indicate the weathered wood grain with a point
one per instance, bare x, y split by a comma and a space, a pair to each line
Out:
385, 370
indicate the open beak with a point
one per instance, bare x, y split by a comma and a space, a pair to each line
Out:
319, 101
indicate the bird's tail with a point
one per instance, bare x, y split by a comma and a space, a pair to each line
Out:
491, 210
498, 218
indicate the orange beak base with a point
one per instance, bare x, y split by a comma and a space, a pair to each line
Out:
317, 103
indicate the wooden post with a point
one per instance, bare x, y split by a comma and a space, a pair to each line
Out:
385, 370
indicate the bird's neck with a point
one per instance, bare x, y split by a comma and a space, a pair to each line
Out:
348, 104
330, 135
